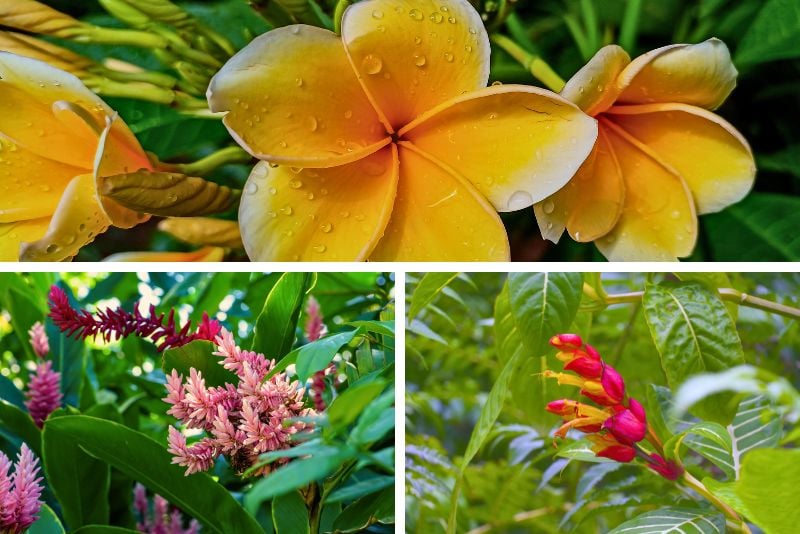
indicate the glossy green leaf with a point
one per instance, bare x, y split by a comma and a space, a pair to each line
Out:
10, 393
581, 450
768, 488
276, 324
360, 488
427, 290
377, 507
694, 520
316, 355
103, 529
773, 35
20, 424
708, 439
24, 313
290, 514
48, 522
199, 355
148, 461
350, 404
693, 333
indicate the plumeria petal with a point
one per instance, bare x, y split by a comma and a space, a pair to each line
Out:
594, 87
550, 139
14, 233
49, 111
291, 97
710, 155
412, 55
201, 254
318, 214
591, 203
701, 74
658, 221
439, 216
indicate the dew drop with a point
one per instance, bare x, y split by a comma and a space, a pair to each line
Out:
377, 14
348, 114
310, 196
320, 248
548, 207
326, 227
519, 200
299, 82
313, 123
372, 64
51, 248
497, 82
577, 236
287, 210
273, 191
416, 14
491, 116
675, 214
419, 60
451, 20
436, 17
344, 214
417, 40
295, 184
283, 145
448, 57
251, 188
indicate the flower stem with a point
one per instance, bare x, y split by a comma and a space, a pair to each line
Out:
206, 165
630, 24
338, 13
535, 64
729, 512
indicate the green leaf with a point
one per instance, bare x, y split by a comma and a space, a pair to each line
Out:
543, 305
276, 325
10, 393
103, 529
385, 328
316, 355
24, 313
377, 507
290, 514
79, 481
348, 406
360, 488
47, 523
199, 355
21, 425
768, 488
295, 475
694, 333
582, 452
427, 290
711, 440
677, 519
148, 461
762, 227
774, 34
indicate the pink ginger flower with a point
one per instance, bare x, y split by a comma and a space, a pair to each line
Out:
19, 493
164, 520
241, 421
39, 341
315, 329
44, 392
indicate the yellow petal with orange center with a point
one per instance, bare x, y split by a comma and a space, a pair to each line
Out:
516, 144
203, 254
709, 153
412, 55
49, 111
439, 216
30, 185
590, 204
658, 220
336, 214
594, 87
701, 75
14, 233
292, 98
78, 219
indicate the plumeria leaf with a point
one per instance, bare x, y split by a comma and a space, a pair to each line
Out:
168, 193
666, 519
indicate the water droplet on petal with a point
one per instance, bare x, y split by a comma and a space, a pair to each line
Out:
519, 200
313, 124
326, 227
436, 17
295, 184
416, 14
372, 64
548, 207
377, 14
299, 82
251, 188
419, 60
320, 248
448, 56
675, 214
348, 114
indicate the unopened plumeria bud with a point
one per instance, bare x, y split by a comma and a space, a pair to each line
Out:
666, 468
628, 425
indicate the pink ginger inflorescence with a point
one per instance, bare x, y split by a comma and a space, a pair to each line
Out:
165, 519
118, 323
315, 328
240, 421
19, 492
44, 388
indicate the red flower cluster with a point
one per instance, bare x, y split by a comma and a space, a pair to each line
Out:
615, 427
119, 323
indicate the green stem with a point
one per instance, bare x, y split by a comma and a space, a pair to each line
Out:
113, 36
519, 32
630, 25
155, 78
138, 91
729, 512
535, 64
338, 13
591, 25
206, 165
726, 294
579, 36
315, 509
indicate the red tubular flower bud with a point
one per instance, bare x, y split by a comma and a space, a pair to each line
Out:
585, 366
626, 425
613, 384
619, 453
566, 341
666, 468
562, 407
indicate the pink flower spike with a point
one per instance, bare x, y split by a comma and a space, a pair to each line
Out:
39, 341
6, 498
315, 328
566, 341
24, 497
44, 393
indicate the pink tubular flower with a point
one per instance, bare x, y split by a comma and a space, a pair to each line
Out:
39, 341
607, 446
166, 519
240, 421
566, 341
666, 468
628, 425
44, 392
20, 493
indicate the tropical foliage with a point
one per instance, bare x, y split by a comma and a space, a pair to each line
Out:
307, 446
711, 359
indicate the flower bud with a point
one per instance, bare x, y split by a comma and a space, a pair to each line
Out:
628, 425
606, 446
666, 468
611, 388
566, 341
585, 365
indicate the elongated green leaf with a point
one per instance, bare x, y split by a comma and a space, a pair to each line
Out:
148, 461
24, 313
198, 355
678, 520
581, 451
349, 405
360, 488
275, 326
774, 34
290, 514
47, 523
762, 227
694, 333
427, 290
10, 393
21, 425
768, 488
543, 304
316, 355
376, 507
79, 481
103, 529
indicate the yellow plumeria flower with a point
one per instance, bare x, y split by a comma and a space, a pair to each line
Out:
661, 157
57, 139
385, 143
